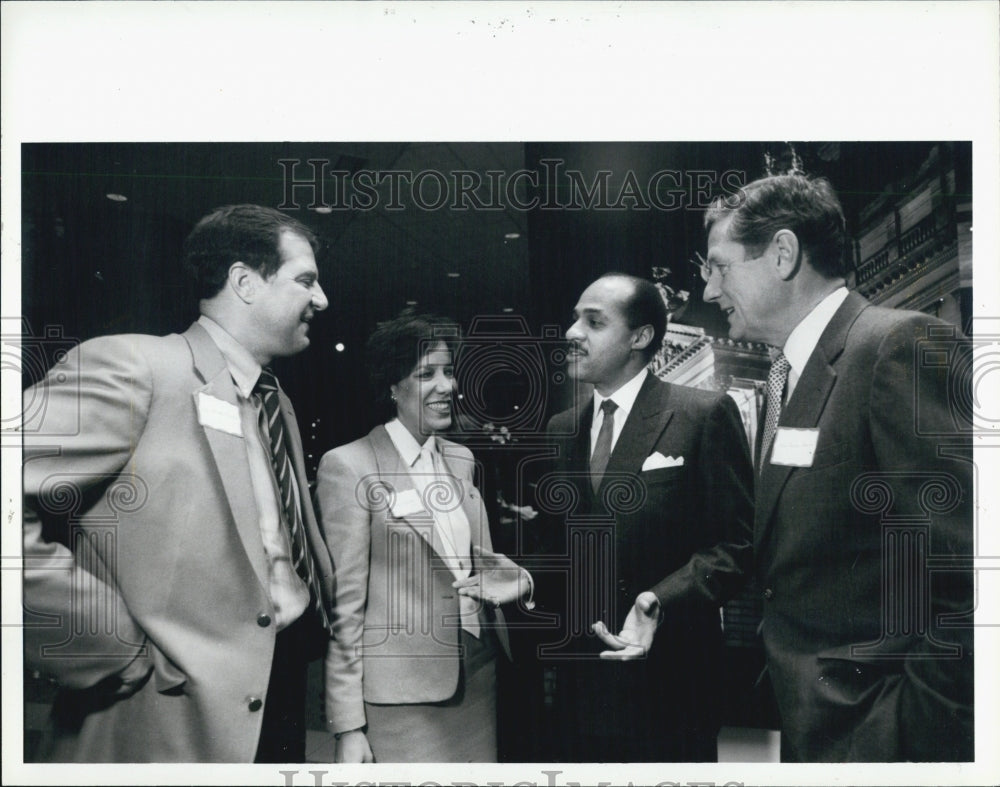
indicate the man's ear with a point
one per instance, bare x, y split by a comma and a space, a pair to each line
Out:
242, 280
787, 245
642, 337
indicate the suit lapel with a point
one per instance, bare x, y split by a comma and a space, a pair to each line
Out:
804, 409
229, 451
393, 471
577, 459
649, 417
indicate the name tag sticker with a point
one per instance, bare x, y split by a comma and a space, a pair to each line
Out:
794, 447
217, 414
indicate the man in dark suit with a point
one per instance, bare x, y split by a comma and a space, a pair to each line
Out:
863, 523
174, 574
659, 537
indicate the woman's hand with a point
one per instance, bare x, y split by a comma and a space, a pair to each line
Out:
498, 579
353, 747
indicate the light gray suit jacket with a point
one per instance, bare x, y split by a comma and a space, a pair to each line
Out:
396, 615
142, 542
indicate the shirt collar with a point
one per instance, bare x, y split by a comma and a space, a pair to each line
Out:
805, 336
407, 445
625, 396
242, 365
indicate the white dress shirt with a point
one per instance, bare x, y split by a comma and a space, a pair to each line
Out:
426, 466
288, 593
625, 398
805, 336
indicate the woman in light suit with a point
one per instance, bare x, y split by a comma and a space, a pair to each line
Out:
410, 670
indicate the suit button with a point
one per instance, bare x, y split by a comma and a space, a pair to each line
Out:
768, 594
263, 620
255, 704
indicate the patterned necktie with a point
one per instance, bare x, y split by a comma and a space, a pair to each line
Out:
602, 449
776, 380
267, 387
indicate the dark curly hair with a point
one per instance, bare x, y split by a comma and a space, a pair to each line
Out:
238, 233
397, 346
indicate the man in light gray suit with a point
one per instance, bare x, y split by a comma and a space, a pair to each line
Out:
174, 575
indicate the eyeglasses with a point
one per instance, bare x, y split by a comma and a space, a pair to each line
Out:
707, 269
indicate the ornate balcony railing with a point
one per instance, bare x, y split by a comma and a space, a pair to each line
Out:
924, 233
873, 265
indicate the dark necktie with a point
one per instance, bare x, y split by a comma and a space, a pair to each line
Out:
602, 449
776, 380
267, 387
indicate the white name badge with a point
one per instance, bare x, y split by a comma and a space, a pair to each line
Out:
217, 414
794, 447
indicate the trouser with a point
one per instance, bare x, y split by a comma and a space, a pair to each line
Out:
283, 731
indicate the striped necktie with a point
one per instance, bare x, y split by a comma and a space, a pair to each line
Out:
281, 463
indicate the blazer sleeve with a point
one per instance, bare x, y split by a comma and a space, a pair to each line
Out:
80, 424
925, 456
715, 574
341, 490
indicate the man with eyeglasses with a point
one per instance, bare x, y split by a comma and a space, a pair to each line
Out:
863, 516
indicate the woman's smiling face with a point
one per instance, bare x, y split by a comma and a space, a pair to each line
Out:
424, 397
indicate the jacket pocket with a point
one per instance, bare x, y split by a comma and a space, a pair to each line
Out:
662, 475
829, 455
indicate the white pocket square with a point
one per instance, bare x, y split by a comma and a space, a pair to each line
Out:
656, 461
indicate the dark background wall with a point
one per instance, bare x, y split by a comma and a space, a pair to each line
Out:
103, 225
92, 265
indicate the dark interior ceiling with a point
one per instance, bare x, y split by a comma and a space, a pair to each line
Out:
91, 265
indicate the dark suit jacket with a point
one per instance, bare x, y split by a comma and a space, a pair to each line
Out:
158, 555
682, 532
862, 666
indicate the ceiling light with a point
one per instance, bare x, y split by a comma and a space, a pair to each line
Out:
411, 303
453, 275
116, 197
324, 209
507, 309
512, 235
339, 347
